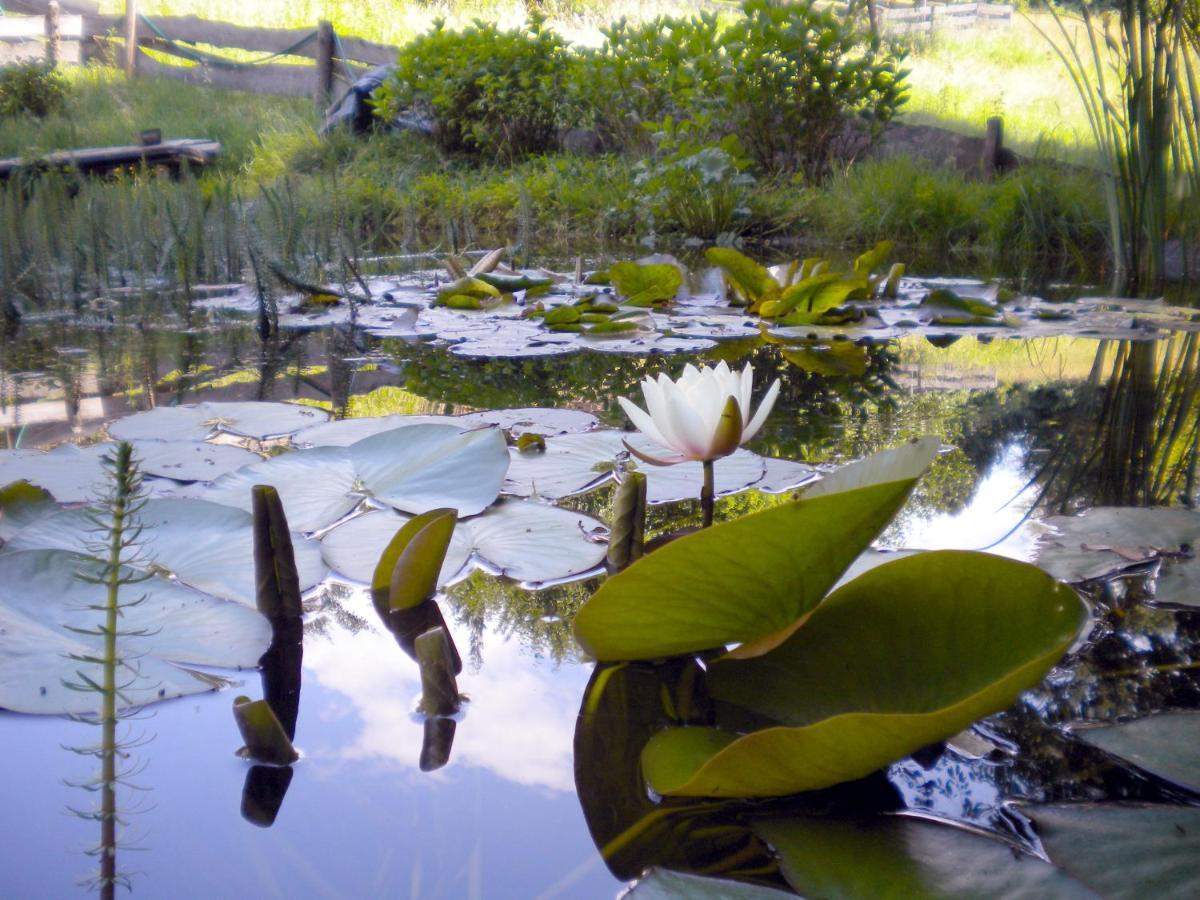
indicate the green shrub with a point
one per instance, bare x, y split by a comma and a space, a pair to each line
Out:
491, 92
31, 88
788, 80
696, 187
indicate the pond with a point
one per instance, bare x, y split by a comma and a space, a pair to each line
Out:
1080, 408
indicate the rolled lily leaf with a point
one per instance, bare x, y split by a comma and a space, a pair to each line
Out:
874, 258
753, 577
750, 281
628, 532
265, 738
909, 653
408, 570
646, 284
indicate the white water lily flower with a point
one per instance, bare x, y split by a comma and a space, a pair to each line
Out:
703, 416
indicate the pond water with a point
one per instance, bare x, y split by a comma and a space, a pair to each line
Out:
1033, 427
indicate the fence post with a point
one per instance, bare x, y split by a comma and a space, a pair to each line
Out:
993, 146
324, 89
131, 38
53, 35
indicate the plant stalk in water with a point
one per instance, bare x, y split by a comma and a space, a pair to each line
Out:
707, 493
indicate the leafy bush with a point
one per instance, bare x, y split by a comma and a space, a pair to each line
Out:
493, 92
31, 88
788, 80
696, 187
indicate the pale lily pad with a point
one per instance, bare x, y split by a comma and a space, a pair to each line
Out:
43, 602
345, 432
533, 420
200, 421
575, 463
1108, 540
1166, 744
898, 858
207, 546
522, 540
415, 468
663, 884
1124, 852
904, 655
354, 547
71, 474
190, 460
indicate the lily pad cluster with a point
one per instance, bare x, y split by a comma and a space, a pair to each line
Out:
658, 305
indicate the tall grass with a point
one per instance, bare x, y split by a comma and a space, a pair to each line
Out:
1127, 73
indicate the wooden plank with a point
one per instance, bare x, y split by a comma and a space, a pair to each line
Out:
22, 26
279, 80
93, 160
194, 30
892, 14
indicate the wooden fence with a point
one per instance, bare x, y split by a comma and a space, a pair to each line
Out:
73, 31
65, 37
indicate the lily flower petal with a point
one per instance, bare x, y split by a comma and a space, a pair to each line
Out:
642, 421
764, 410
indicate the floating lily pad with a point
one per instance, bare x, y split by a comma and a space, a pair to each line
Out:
1166, 744
1108, 540
199, 421
353, 548
572, 464
1124, 852
43, 604
414, 468
906, 654
345, 432
207, 546
522, 540
71, 474
533, 420
190, 460
898, 858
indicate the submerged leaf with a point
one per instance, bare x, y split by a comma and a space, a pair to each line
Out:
1165, 744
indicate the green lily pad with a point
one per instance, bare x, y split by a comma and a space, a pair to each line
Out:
345, 432
838, 358
1124, 851
751, 577
749, 279
207, 546
189, 460
43, 604
646, 284
1109, 539
1167, 744
199, 421
908, 653
898, 858
663, 884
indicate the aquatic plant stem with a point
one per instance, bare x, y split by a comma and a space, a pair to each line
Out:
707, 493
108, 713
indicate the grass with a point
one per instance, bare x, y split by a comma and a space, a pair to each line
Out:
399, 193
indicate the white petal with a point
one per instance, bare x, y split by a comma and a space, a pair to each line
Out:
745, 387
642, 421
764, 410
656, 406
686, 425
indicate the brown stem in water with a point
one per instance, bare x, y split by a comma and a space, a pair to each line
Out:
707, 493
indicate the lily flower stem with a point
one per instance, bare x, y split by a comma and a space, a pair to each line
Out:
707, 493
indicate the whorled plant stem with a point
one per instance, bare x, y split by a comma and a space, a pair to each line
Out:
707, 494
126, 480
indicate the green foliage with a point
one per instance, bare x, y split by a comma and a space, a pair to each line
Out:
787, 80
492, 92
696, 187
31, 89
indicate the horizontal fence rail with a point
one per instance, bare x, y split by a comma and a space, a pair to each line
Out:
72, 31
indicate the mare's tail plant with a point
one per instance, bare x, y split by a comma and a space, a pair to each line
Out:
117, 530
